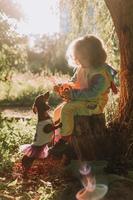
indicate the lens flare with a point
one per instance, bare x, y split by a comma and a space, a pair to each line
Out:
91, 190
85, 169
89, 183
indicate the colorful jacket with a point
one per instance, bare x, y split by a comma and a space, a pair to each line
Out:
100, 81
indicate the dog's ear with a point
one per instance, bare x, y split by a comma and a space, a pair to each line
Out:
34, 108
46, 96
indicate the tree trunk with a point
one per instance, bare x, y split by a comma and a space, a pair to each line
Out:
122, 15
88, 137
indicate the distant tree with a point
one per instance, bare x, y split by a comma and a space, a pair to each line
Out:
51, 52
12, 46
35, 61
11, 9
12, 50
76, 11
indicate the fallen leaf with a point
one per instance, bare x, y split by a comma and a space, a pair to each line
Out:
13, 183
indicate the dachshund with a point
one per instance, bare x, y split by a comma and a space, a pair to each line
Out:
44, 137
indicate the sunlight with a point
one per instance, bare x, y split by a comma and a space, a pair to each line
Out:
41, 16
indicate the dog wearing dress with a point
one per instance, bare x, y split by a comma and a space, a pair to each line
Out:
44, 137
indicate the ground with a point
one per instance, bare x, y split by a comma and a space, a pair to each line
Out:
50, 180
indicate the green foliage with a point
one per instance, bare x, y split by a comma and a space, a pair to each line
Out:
12, 50
23, 88
106, 30
49, 54
35, 61
46, 192
13, 134
77, 10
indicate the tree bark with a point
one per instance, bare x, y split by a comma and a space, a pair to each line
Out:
89, 136
122, 15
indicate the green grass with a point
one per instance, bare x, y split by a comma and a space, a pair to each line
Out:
13, 133
23, 88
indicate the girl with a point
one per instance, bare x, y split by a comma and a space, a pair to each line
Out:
87, 93
44, 133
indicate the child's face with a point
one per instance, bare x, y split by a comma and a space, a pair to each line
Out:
82, 60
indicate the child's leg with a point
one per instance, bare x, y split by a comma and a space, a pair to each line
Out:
57, 119
67, 118
57, 113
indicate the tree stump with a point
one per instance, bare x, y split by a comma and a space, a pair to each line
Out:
88, 138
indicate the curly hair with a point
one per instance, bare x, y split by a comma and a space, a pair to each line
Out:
89, 48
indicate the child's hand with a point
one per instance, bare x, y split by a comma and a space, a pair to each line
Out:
57, 87
63, 90
66, 95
